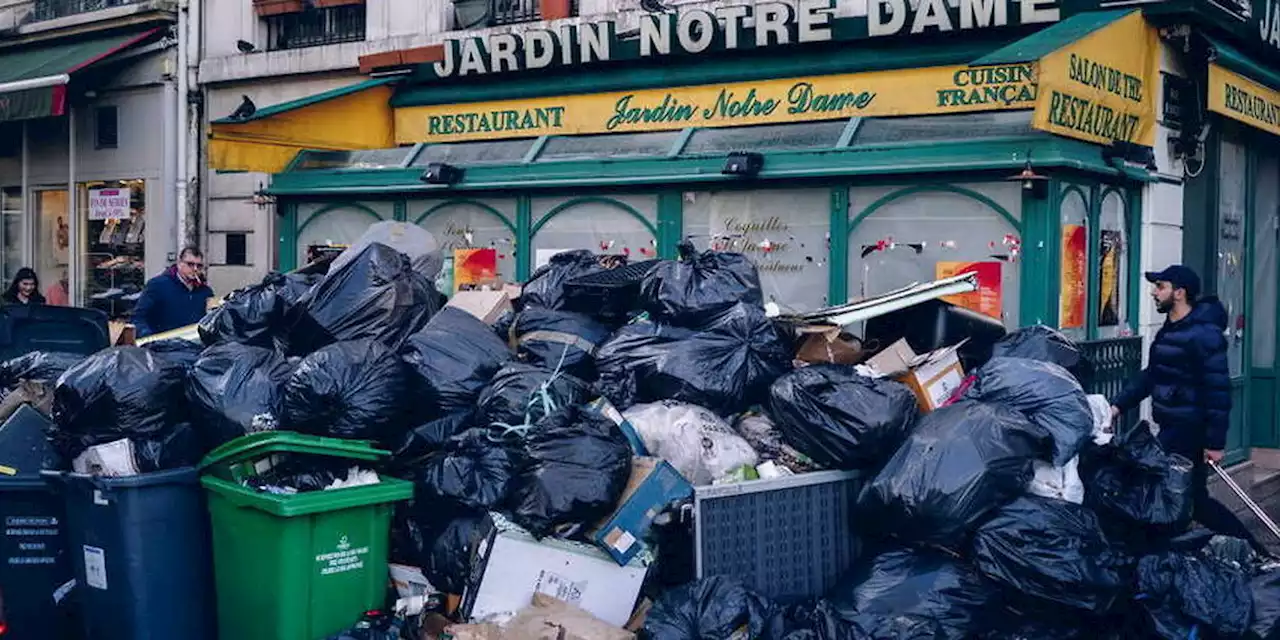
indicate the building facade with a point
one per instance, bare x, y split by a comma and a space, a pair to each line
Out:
89, 102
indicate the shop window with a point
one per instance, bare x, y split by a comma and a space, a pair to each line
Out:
1266, 230
783, 231
472, 153
53, 236
768, 137
902, 236
114, 218
237, 249
1074, 277
316, 27
475, 238
336, 225
1113, 268
611, 146
106, 128
11, 228
613, 225
1232, 192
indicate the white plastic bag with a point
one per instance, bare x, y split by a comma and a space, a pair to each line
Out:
1060, 483
1101, 408
700, 445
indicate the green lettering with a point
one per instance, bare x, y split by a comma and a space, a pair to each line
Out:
433, 125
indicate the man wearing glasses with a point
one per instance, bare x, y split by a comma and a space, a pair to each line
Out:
176, 298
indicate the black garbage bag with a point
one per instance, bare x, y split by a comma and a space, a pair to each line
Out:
819, 621
521, 394
1191, 594
373, 625
179, 350
545, 288
1053, 550
1044, 392
377, 295
473, 472
962, 463
559, 340
716, 607
839, 418
351, 390
1140, 492
428, 438
120, 392
449, 539
301, 473
37, 366
916, 593
1045, 344
452, 359
179, 446
1265, 588
726, 367
237, 389
578, 465
255, 315
693, 290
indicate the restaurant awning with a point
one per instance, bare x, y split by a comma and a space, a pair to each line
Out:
348, 118
33, 80
1242, 88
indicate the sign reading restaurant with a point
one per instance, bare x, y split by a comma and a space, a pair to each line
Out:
765, 24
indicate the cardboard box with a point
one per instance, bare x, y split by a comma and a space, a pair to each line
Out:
653, 485
823, 344
509, 567
488, 306
551, 619
933, 377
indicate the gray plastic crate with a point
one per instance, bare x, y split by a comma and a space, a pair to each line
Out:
788, 538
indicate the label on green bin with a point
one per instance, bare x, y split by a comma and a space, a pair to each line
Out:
344, 557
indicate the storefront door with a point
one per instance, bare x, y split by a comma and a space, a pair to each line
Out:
1263, 271
1231, 277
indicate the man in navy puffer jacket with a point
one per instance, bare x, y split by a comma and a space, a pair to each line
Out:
1189, 383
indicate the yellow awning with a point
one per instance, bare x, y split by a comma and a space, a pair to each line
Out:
345, 119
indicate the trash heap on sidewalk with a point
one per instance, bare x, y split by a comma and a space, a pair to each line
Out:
566, 444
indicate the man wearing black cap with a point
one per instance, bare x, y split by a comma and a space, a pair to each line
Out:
1189, 384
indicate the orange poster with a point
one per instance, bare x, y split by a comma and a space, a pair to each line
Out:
988, 299
1072, 293
474, 267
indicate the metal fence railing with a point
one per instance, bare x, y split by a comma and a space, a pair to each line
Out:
52, 9
316, 27
1114, 362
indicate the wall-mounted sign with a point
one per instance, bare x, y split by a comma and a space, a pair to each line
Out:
1244, 100
692, 31
109, 204
1100, 88
931, 90
1176, 98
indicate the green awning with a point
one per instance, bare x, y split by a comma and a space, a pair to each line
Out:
33, 81
1050, 39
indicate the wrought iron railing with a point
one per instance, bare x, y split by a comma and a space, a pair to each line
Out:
471, 14
1114, 362
316, 27
52, 9
514, 11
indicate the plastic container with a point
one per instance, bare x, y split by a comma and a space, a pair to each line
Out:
936, 324
303, 566
788, 538
27, 328
139, 547
610, 294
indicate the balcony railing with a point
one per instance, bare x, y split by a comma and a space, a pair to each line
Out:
316, 27
1115, 362
471, 14
52, 9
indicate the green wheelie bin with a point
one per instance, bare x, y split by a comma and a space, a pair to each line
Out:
301, 566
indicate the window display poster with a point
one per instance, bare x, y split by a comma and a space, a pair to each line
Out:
109, 204
1111, 252
474, 268
989, 298
1072, 293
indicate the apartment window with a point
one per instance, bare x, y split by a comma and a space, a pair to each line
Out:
237, 249
470, 14
106, 128
316, 27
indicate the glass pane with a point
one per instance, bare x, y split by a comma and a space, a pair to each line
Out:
373, 159
763, 138
1075, 279
783, 231
471, 153
334, 227
621, 145
1113, 268
11, 229
1266, 235
53, 237
919, 236
948, 127
603, 225
114, 216
1231, 247
464, 231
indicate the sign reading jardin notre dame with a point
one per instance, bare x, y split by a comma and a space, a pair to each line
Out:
765, 24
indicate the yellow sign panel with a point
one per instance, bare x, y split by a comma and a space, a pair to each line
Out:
932, 90
1240, 98
1102, 87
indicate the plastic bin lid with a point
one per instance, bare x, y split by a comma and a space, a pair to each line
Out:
259, 445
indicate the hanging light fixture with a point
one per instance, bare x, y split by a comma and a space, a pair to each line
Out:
1033, 184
